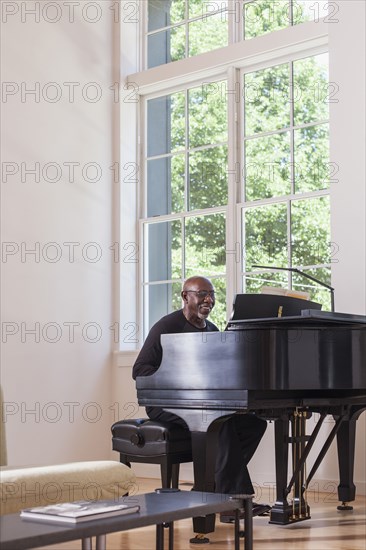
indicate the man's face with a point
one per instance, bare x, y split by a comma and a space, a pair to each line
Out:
199, 299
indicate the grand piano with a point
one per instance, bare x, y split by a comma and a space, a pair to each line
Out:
284, 369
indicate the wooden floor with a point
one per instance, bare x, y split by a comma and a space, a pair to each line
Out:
327, 529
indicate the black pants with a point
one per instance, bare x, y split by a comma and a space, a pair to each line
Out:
239, 437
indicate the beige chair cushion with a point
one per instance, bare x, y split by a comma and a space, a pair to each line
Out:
26, 487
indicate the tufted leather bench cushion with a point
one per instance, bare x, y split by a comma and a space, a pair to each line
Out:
142, 437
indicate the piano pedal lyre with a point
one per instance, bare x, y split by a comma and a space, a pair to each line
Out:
301, 514
300, 507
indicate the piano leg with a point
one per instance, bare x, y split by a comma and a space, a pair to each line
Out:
204, 446
281, 509
346, 438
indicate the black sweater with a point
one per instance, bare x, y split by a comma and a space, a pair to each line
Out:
150, 356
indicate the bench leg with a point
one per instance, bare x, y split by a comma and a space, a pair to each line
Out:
171, 535
166, 473
101, 542
175, 476
169, 474
160, 537
86, 544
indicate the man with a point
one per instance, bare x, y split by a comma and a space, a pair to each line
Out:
240, 435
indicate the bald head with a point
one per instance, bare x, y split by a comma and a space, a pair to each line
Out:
195, 282
198, 296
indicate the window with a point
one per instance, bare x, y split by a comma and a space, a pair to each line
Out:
177, 29
286, 212
235, 165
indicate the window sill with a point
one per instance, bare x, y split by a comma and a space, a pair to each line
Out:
125, 358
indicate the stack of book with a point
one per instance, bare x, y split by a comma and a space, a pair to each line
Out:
81, 510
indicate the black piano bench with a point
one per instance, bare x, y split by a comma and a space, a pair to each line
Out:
152, 442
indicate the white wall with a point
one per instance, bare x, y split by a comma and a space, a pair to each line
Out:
347, 123
348, 195
67, 383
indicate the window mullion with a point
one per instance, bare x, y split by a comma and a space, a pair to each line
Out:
233, 14
232, 259
186, 177
186, 154
289, 244
292, 148
292, 172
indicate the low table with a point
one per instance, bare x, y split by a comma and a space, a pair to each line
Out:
155, 508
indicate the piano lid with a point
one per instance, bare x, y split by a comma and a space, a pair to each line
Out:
307, 317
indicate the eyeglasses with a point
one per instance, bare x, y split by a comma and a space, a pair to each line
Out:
203, 293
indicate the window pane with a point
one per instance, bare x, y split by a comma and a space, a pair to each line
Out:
163, 244
203, 8
267, 166
177, 10
263, 16
166, 46
205, 245
165, 185
218, 314
208, 178
317, 293
310, 231
306, 10
162, 13
311, 158
178, 43
311, 90
165, 124
177, 183
265, 235
208, 34
266, 100
252, 283
178, 120
162, 299
207, 114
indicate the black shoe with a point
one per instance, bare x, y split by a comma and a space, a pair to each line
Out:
258, 510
